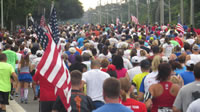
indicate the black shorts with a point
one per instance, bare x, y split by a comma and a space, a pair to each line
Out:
4, 96
46, 106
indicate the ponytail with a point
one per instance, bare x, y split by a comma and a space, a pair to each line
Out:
123, 95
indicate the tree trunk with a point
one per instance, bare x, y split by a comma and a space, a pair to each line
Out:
192, 12
182, 11
161, 12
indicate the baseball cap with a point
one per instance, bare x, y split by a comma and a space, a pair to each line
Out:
39, 52
111, 67
165, 59
189, 63
135, 59
195, 48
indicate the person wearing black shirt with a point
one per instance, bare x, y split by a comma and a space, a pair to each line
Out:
79, 101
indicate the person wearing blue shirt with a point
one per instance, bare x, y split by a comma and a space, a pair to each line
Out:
188, 76
141, 90
80, 42
111, 90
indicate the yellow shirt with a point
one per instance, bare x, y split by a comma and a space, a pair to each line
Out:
6, 71
137, 79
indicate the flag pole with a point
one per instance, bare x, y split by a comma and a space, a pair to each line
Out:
52, 5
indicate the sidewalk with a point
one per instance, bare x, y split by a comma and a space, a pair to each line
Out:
14, 107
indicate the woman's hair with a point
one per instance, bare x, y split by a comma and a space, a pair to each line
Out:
125, 87
164, 71
190, 68
155, 63
25, 60
104, 63
112, 73
182, 58
133, 52
142, 52
187, 46
118, 62
175, 65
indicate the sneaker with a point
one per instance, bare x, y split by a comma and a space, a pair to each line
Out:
11, 97
16, 95
22, 100
35, 98
26, 101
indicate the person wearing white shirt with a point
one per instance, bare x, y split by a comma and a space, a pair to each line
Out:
94, 79
136, 69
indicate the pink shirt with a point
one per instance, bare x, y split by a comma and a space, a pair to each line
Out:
121, 73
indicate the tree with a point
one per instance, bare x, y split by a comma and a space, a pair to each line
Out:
16, 10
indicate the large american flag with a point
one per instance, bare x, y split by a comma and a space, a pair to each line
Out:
179, 26
134, 19
51, 66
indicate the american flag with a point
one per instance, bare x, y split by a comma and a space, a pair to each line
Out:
134, 19
42, 21
179, 26
54, 26
43, 39
52, 67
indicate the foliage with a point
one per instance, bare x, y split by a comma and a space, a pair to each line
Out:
17, 10
154, 11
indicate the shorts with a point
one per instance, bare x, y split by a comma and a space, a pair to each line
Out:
25, 77
4, 96
46, 106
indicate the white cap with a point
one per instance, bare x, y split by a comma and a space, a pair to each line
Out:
72, 50
39, 52
165, 59
135, 59
189, 63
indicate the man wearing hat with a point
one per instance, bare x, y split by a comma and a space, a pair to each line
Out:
188, 76
136, 69
195, 56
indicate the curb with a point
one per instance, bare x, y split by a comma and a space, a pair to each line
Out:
14, 107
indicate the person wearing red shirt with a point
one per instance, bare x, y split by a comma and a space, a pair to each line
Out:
178, 39
47, 93
126, 89
164, 93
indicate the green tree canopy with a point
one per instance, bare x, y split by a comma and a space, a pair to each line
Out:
17, 10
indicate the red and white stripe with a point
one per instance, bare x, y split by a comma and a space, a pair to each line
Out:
42, 21
134, 19
180, 28
54, 70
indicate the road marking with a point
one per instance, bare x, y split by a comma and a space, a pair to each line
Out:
14, 107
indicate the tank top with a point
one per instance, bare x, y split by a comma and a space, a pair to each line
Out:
165, 99
24, 69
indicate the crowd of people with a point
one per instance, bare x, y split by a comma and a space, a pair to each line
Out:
113, 68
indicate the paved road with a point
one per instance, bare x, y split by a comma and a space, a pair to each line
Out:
32, 106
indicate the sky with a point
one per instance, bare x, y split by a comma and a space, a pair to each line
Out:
93, 3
